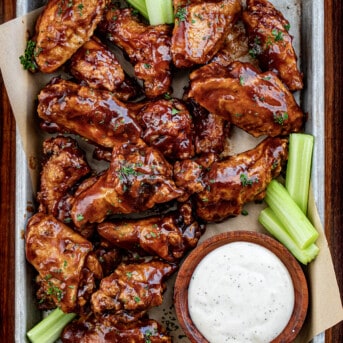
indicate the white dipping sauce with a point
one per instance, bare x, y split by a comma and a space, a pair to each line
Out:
241, 292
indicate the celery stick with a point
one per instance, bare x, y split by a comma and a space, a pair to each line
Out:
290, 215
273, 225
140, 6
50, 328
298, 171
169, 11
160, 11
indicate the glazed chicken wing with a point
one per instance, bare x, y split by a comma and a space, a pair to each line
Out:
256, 102
99, 68
200, 29
210, 131
138, 178
225, 186
131, 290
271, 42
235, 47
168, 236
64, 165
167, 126
67, 269
97, 65
94, 114
147, 46
94, 330
62, 28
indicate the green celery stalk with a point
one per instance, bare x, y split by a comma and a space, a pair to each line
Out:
273, 225
290, 215
169, 11
160, 11
50, 328
298, 170
140, 6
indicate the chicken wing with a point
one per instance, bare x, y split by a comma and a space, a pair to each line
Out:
168, 236
63, 166
99, 68
271, 43
94, 114
131, 290
147, 46
235, 47
200, 29
258, 103
224, 187
138, 178
62, 28
95, 330
210, 131
62, 257
167, 125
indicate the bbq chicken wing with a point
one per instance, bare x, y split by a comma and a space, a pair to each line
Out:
200, 29
139, 177
99, 68
271, 42
94, 114
64, 165
94, 330
235, 47
258, 103
67, 269
224, 187
147, 46
62, 28
167, 125
168, 236
210, 131
131, 290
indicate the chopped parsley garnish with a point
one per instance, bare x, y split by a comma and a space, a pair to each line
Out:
246, 181
80, 7
147, 335
28, 59
244, 213
277, 35
253, 53
80, 217
268, 42
127, 171
280, 118
181, 14
174, 111
167, 96
55, 291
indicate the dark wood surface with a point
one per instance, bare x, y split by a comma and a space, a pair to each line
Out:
333, 168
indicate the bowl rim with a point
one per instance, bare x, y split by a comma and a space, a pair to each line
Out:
301, 295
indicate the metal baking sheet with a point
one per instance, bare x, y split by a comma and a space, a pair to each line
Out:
312, 101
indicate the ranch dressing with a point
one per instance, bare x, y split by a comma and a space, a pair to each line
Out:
240, 292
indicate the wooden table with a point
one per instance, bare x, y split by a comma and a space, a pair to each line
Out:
333, 168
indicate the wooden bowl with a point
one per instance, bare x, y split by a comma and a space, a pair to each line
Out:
187, 268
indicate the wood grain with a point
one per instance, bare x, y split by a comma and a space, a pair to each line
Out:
7, 200
333, 168
334, 143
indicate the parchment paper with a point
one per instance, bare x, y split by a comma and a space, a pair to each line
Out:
325, 304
